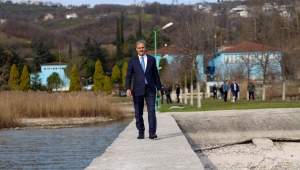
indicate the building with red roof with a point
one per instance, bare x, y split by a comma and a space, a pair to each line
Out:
247, 55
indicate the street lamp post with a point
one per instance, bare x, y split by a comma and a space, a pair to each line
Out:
156, 58
86, 82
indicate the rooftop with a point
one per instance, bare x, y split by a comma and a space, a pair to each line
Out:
171, 49
53, 63
249, 47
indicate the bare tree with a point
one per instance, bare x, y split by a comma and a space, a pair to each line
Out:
191, 36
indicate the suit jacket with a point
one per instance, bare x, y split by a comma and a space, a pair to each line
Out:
151, 74
167, 91
237, 87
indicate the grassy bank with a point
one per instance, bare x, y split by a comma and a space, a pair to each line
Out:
17, 104
217, 104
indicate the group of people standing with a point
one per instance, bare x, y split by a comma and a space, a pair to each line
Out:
167, 91
235, 88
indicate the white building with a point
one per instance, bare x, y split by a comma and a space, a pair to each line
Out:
244, 14
2, 21
239, 8
73, 15
268, 7
285, 14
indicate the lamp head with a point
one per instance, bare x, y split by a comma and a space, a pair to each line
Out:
166, 26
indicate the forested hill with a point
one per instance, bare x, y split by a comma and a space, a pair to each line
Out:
27, 21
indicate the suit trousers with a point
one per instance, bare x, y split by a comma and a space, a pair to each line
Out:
169, 99
138, 101
225, 96
235, 94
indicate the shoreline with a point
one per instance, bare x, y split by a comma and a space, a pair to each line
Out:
57, 123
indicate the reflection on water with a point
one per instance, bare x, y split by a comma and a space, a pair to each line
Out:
68, 148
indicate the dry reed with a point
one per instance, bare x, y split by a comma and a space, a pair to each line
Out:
17, 104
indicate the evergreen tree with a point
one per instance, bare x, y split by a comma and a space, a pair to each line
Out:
98, 77
116, 75
36, 82
107, 85
118, 42
131, 39
160, 40
13, 81
42, 51
93, 51
124, 73
70, 51
87, 48
163, 64
84, 65
122, 29
25, 79
139, 31
74, 80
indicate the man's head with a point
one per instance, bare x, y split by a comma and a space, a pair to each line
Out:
250, 81
141, 47
234, 81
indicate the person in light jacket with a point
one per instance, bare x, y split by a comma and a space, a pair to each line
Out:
225, 90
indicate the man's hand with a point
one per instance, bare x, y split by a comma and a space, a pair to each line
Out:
128, 93
159, 93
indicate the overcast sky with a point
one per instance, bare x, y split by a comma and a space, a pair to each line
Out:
122, 2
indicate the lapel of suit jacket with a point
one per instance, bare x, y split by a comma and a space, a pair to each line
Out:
137, 58
149, 62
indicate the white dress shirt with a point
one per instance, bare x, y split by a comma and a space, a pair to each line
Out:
145, 60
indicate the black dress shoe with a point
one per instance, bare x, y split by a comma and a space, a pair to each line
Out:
141, 136
152, 136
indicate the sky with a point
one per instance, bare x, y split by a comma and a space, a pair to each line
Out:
121, 2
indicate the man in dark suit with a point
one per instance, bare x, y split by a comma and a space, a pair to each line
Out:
146, 82
235, 88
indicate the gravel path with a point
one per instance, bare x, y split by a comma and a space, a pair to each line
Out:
280, 156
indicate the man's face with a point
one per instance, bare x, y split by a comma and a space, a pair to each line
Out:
141, 49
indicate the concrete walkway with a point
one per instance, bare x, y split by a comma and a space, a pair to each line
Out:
170, 150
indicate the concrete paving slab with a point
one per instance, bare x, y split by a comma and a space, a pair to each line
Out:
170, 150
213, 129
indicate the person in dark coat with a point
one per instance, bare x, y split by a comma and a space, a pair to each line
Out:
215, 91
145, 84
235, 88
168, 92
221, 91
251, 89
177, 92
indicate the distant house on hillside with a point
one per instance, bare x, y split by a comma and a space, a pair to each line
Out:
48, 17
37, 3
48, 68
2, 21
73, 15
244, 14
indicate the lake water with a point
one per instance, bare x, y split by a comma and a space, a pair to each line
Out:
66, 148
